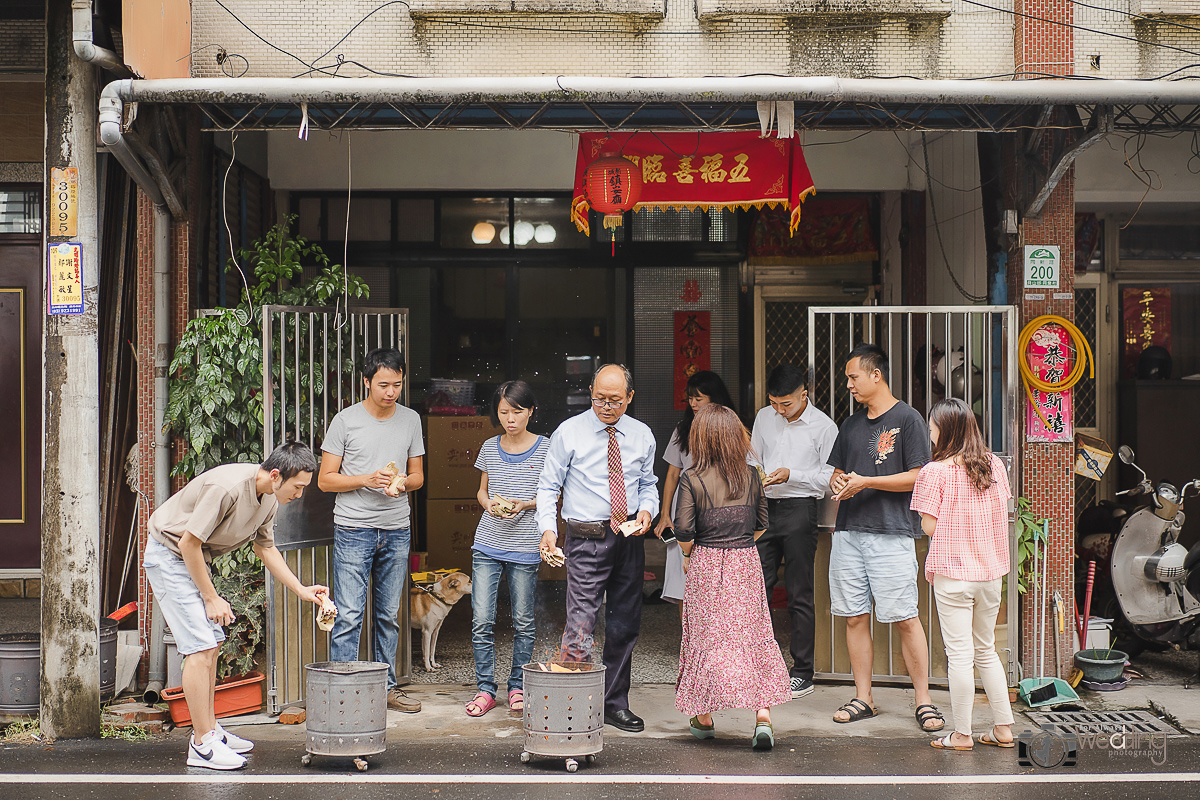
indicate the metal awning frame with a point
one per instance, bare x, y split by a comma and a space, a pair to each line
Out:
597, 103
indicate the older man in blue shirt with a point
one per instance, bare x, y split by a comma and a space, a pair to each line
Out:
602, 462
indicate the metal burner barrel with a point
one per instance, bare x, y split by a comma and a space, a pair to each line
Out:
564, 711
346, 712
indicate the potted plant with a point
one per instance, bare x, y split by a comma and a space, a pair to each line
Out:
237, 577
215, 405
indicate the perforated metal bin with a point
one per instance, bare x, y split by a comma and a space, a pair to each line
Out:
564, 713
346, 711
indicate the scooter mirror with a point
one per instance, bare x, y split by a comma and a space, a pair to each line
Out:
1125, 453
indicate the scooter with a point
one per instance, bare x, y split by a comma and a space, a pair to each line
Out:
1155, 579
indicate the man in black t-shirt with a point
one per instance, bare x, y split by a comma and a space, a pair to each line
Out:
876, 458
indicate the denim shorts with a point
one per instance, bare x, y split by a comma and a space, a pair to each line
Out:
180, 601
866, 566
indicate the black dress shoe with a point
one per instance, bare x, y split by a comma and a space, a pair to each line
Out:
626, 720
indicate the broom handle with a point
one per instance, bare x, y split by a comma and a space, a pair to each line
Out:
1087, 603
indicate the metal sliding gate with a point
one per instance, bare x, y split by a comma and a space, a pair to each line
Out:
312, 370
968, 352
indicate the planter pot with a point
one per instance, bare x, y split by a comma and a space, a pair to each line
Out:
240, 695
1101, 666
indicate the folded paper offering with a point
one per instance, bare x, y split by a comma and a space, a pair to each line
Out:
502, 506
326, 614
631, 527
552, 667
397, 477
554, 557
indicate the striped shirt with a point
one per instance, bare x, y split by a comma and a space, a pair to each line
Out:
513, 476
971, 539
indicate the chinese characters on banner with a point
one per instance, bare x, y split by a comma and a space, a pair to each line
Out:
1147, 317
693, 351
64, 278
1050, 359
734, 169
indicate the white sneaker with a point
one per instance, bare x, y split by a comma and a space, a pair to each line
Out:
234, 742
212, 753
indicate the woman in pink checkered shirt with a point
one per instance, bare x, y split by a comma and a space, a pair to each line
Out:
962, 496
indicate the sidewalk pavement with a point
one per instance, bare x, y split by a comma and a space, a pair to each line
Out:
443, 715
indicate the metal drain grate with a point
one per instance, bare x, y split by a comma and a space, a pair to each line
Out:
1103, 722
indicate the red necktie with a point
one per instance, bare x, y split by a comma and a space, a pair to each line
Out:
616, 481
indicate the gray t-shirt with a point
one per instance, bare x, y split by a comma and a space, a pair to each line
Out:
367, 444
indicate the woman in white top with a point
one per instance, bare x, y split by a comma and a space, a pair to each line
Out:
703, 387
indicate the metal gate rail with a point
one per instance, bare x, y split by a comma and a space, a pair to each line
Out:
311, 371
986, 339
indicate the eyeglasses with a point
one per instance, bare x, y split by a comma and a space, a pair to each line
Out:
598, 403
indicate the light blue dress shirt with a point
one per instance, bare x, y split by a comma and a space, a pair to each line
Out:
577, 467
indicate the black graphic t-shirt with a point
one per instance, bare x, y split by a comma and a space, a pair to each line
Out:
895, 442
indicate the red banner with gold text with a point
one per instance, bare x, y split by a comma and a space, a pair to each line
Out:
693, 350
735, 169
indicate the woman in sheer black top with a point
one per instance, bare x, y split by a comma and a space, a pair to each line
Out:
729, 657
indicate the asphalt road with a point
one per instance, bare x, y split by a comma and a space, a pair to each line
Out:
454, 768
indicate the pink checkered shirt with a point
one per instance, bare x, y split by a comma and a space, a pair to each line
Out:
971, 540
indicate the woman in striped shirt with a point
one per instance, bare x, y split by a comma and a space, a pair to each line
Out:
962, 496
507, 541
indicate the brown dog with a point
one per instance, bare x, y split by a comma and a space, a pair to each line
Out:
428, 609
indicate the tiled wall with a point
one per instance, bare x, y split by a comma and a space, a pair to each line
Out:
973, 40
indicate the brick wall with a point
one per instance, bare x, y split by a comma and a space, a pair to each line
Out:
145, 401
971, 41
1048, 469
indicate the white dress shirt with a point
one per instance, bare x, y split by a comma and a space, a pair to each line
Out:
803, 446
577, 467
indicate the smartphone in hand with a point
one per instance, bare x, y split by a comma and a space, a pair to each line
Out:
668, 535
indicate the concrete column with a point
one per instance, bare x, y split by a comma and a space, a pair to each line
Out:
70, 680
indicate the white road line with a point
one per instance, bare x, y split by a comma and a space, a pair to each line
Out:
1062, 776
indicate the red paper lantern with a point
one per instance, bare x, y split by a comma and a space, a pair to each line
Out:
613, 186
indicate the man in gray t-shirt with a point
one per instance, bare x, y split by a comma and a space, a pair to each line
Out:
371, 512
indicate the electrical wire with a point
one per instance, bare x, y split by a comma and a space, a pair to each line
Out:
345, 298
229, 233
937, 228
1032, 381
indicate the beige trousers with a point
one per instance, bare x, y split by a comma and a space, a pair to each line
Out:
967, 611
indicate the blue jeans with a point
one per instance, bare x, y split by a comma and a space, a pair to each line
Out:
485, 586
381, 555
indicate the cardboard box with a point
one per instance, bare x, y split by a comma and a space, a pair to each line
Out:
450, 533
1092, 456
451, 447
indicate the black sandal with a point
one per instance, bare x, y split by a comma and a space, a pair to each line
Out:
856, 709
929, 713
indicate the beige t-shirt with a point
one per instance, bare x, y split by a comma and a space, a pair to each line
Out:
221, 508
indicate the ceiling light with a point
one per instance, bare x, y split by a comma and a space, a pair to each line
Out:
504, 235
544, 233
523, 233
483, 233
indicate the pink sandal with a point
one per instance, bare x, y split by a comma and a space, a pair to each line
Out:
516, 700
480, 704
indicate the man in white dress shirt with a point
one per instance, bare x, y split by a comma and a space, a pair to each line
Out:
602, 462
792, 438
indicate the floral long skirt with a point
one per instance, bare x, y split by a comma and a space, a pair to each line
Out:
729, 657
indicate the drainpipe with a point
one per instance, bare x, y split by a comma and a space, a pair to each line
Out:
85, 48
110, 135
